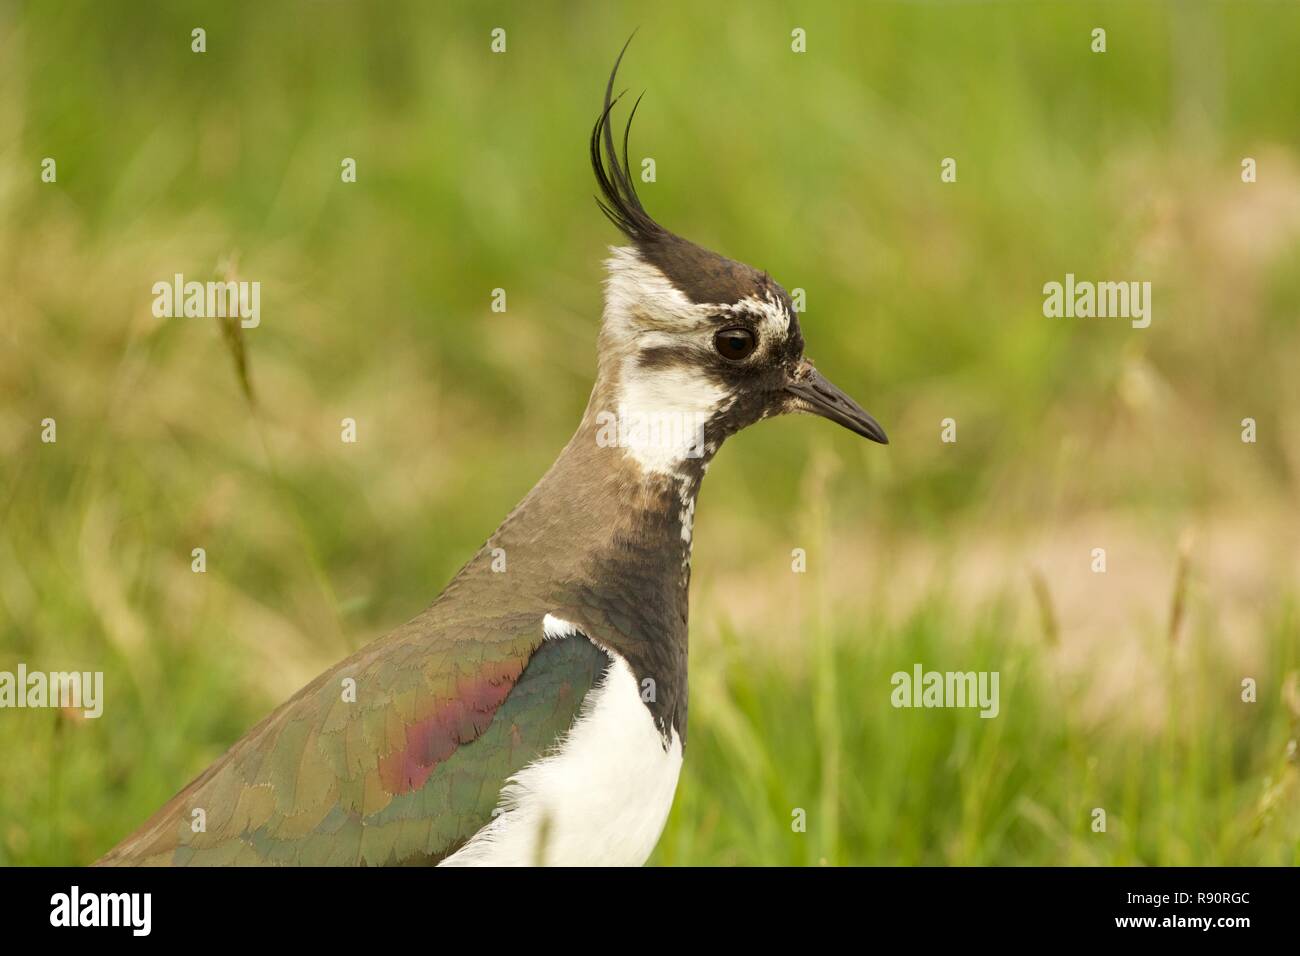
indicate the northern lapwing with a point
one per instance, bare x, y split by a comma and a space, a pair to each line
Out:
535, 713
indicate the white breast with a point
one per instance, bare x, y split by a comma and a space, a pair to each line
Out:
600, 798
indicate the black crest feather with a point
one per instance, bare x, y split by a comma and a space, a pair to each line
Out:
620, 203
701, 275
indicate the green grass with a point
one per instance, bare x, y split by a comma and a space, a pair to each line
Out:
1211, 785
945, 787
924, 301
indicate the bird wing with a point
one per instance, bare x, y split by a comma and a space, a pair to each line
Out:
401, 766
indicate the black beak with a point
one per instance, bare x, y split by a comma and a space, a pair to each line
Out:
814, 393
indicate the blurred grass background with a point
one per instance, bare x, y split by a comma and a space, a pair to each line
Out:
924, 301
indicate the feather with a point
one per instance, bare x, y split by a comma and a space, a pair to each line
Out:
620, 204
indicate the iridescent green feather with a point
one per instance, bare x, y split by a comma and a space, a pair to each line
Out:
404, 774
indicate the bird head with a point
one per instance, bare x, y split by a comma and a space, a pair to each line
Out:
690, 333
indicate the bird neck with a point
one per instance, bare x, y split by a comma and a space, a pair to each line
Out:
619, 501
604, 542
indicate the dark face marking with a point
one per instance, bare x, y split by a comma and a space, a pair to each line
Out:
756, 385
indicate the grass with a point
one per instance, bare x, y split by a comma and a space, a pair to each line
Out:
1119, 690
1212, 785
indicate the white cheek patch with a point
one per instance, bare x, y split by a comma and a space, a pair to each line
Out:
662, 413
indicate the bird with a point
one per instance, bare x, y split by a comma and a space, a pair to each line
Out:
536, 712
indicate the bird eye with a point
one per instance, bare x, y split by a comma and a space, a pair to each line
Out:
735, 343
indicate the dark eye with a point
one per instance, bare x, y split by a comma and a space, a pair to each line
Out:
734, 344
